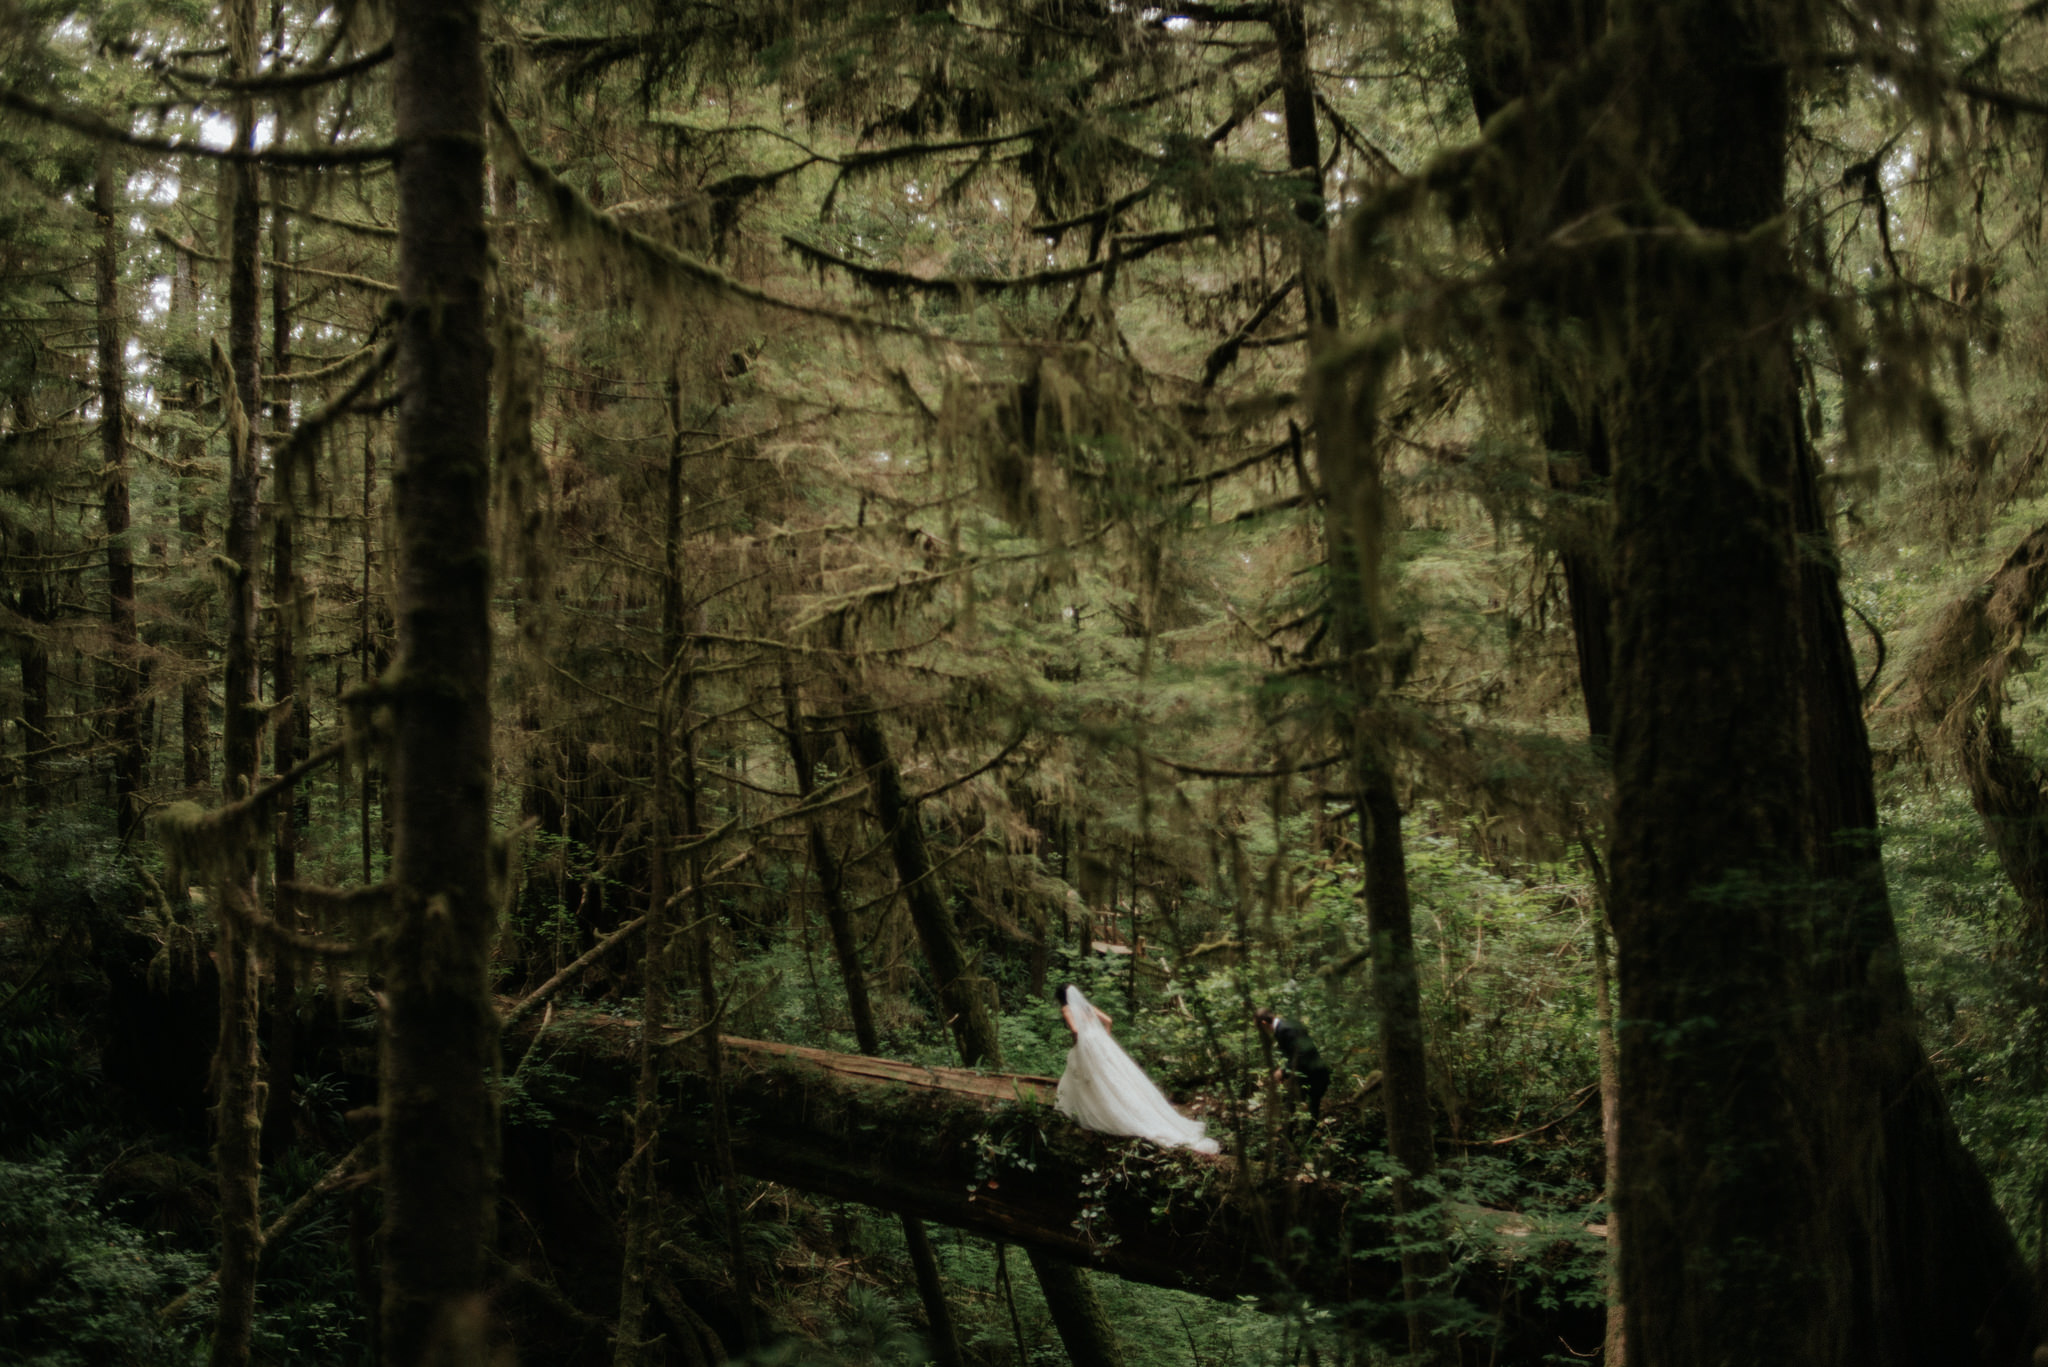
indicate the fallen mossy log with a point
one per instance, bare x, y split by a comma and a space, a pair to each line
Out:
986, 1153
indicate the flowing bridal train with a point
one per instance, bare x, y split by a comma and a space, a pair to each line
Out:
1102, 1089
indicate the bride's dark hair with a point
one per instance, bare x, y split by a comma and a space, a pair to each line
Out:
1060, 994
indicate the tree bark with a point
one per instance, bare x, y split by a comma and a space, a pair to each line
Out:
285, 683
1076, 1310
1961, 675
629, 1349
37, 606
1615, 1342
945, 1338
703, 951
911, 1138
124, 669
440, 1042
1518, 50
1791, 1187
238, 1090
1354, 515
195, 733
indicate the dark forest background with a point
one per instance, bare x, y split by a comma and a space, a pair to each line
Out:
538, 537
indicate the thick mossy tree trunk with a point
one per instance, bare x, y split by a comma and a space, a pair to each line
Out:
440, 1042
238, 1090
124, 669
1790, 1182
1076, 1310
945, 1338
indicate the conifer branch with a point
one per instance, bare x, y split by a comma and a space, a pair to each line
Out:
309, 430
975, 773
351, 904
1129, 247
1213, 771
1226, 352
352, 225
93, 126
575, 214
275, 84
343, 277
234, 906
329, 1181
885, 280
575, 968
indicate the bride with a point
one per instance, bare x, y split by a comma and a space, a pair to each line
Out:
1102, 1089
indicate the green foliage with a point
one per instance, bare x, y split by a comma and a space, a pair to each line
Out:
78, 1287
1981, 1008
306, 1305
66, 874
49, 1078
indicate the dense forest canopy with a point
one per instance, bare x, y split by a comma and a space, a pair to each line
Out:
600, 601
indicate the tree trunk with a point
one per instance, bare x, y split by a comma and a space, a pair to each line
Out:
37, 606
974, 1030
239, 1093
1518, 50
1962, 675
1790, 1184
440, 1042
1354, 513
945, 1338
194, 731
1076, 1311
1949, 1271
286, 683
629, 1349
124, 670
1615, 1343
703, 951
906, 1137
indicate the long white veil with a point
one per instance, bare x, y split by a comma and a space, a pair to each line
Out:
1103, 1089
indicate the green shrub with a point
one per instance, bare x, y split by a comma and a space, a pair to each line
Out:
78, 1286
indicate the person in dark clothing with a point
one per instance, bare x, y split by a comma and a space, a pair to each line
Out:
1299, 1057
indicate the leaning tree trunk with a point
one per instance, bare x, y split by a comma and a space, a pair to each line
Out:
1790, 1183
1076, 1310
704, 957
125, 667
945, 1338
1962, 675
440, 1043
238, 1091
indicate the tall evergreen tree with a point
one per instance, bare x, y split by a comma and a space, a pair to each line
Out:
1786, 1173
440, 1043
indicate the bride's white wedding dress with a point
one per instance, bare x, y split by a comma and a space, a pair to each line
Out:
1102, 1089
